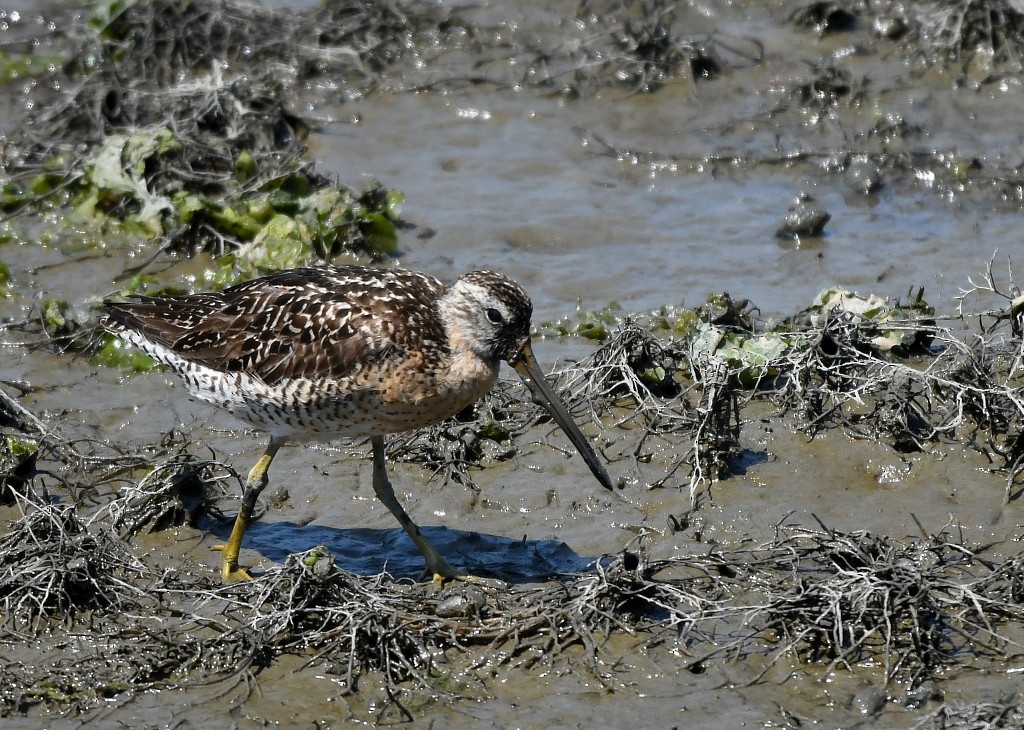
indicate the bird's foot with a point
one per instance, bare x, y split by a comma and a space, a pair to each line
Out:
437, 568
440, 578
230, 571
234, 574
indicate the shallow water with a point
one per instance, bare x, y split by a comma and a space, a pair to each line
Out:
519, 191
504, 180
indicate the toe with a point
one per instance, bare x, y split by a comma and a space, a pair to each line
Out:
234, 574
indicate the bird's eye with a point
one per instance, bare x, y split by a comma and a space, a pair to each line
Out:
494, 316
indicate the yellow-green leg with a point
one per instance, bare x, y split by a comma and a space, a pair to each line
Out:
436, 564
255, 484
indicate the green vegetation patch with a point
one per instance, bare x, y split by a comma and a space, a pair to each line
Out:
117, 353
172, 121
888, 326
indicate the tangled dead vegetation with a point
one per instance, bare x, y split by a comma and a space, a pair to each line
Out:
671, 408
149, 124
178, 490
664, 391
816, 118
54, 568
913, 610
639, 46
893, 372
986, 33
959, 33
185, 122
1008, 713
859, 597
483, 434
180, 121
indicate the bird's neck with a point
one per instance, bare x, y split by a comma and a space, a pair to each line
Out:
468, 365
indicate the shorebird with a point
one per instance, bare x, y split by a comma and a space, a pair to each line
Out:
343, 351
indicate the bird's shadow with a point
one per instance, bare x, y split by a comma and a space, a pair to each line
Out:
366, 551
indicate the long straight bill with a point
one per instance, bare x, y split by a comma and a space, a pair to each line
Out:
526, 365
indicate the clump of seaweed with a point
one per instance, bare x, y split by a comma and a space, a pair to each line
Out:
1005, 713
162, 123
358, 625
965, 32
886, 370
634, 369
53, 566
855, 597
844, 600
911, 380
644, 49
638, 45
17, 467
957, 33
640, 381
179, 490
221, 172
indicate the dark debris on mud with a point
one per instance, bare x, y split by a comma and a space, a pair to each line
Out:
225, 92
978, 44
954, 33
913, 610
186, 121
483, 434
891, 372
235, 85
1007, 713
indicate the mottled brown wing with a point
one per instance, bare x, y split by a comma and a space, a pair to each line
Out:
313, 323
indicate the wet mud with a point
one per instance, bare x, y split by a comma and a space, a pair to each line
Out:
798, 566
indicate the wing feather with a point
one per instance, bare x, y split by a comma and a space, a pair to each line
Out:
301, 323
